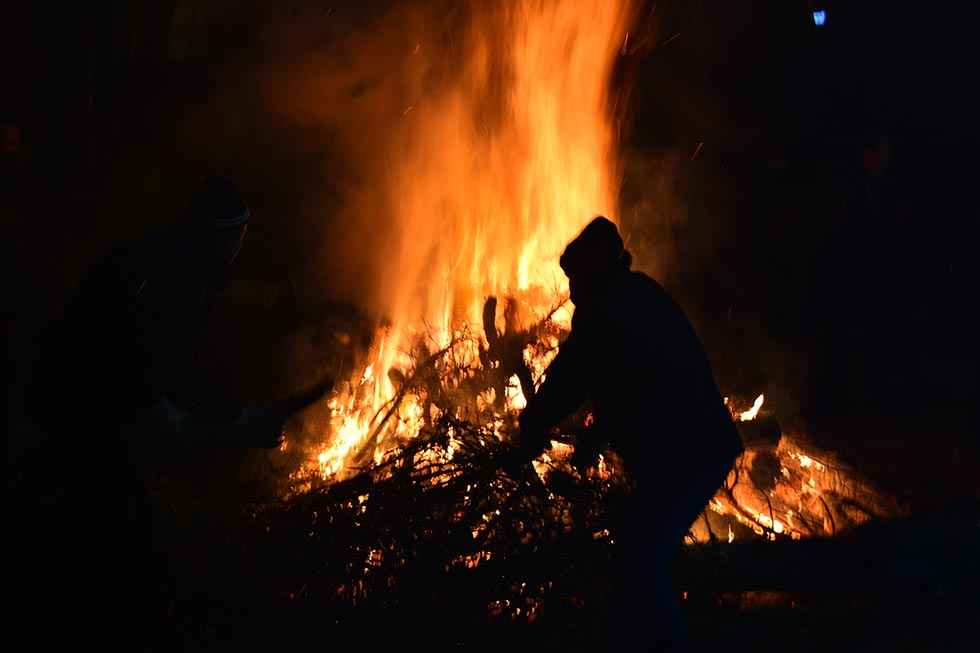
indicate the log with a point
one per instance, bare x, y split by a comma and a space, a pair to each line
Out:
934, 551
792, 490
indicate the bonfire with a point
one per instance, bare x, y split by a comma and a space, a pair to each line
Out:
495, 173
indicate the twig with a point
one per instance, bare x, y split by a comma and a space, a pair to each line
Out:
833, 527
395, 401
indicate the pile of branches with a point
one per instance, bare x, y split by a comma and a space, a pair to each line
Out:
439, 523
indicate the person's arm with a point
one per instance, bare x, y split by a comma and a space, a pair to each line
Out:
564, 389
233, 426
240, 428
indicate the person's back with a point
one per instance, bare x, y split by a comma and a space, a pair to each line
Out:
91, 372
133, 316
654, 392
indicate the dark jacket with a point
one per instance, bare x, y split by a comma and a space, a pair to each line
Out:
124, 339
634, 354
87, 515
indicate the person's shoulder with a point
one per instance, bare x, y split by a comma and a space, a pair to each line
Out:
647, 299
635, 276
637, 281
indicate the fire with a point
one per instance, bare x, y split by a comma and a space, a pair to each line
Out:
751, 413
504, 150
489, 178
500, 170
515, 399
558, 452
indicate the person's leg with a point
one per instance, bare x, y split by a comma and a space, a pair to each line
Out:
648, 529
629, 600
644, 610
684, 508
670, 632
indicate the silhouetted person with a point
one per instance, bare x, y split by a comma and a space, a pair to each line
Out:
635, 356
115, 384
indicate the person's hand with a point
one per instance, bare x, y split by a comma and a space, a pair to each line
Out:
303, 400
526, 448
262, 428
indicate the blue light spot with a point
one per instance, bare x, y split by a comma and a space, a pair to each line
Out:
819, 18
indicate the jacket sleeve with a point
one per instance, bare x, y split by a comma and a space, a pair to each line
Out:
565, 387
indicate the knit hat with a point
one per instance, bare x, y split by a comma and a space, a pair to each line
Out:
597, 250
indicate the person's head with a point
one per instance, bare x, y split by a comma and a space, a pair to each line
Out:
218, 217
593, 258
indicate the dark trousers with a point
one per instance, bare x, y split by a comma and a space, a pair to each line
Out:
648, 530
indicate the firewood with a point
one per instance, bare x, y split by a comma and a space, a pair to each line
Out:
879, 557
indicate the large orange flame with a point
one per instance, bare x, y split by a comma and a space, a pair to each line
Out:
492, 177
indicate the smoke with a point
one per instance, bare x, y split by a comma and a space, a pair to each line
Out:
351, 91
475, 141
374, 132
378, 131
405, 134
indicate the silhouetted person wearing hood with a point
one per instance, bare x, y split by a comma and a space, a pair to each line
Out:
115, 386
634, 355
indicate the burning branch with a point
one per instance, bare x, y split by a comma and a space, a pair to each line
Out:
436, 506
407, 384
505, 351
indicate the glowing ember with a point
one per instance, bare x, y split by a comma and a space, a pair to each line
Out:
779, 490
558, 453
